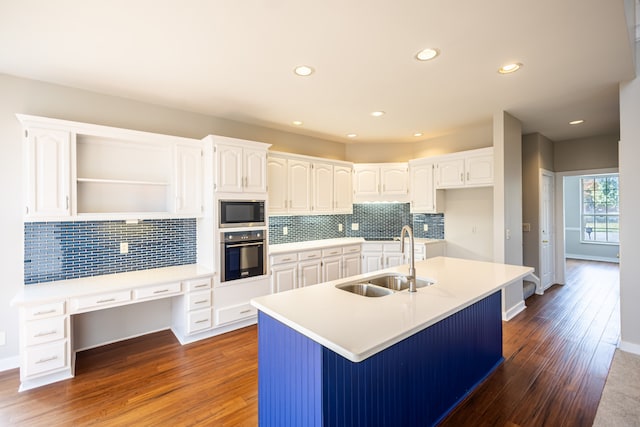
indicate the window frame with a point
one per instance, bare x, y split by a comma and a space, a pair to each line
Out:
594, 215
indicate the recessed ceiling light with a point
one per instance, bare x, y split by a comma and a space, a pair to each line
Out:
352, 135
417, 134
427, 54
378, 113
303, 70
576, 122
510, 68
297, 122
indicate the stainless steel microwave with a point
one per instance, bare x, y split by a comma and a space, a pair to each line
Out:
241, 213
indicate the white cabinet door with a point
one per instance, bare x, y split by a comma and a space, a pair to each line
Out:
393, 180
366, 181
422, 188
331, 268
371, 261
229, 165
49, 173
188, 180
450, 173
299, 177
283, 277
351, 265
342, 189
393, 259
255, 173
322, 188
479, 170
278, 185
309, 273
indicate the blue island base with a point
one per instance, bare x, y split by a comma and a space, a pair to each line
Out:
416, 382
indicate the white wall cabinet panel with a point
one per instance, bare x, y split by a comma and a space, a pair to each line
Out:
343, 189
255, 168
393, 179
424, 196
188, 178
451, 173
366, 181
299, 184
240, 169
278, 177
48, 156
472, 168
322, 188
380, 182
309, 273
479, 169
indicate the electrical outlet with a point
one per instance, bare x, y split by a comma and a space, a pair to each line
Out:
124, 248
355, 226
340, 227
425, 227
3, 338
285, 231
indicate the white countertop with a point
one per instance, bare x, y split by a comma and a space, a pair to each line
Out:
357, 327
62, 289
328, 243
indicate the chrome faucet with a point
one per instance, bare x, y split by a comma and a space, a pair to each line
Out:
412, 262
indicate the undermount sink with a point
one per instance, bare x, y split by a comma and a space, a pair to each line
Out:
382, 285
365, 289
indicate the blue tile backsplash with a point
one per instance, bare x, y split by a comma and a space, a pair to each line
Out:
67, 250
376, 220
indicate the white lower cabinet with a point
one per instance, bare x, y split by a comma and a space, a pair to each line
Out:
192, 311
235, 313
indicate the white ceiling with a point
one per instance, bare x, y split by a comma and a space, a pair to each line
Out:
235, 59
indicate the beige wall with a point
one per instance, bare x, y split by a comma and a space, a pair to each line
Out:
537, 153
49, 100
379, 153
599, 152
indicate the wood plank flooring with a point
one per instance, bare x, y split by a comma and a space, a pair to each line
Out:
557, 355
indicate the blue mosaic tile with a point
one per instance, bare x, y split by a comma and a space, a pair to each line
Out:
66, 250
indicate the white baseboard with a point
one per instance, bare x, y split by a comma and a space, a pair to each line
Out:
513, 311
592, 258
629, 347
9, 363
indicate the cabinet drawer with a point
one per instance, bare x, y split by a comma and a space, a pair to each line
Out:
111, 298
283, 259
44, 330
44, 358
393, 247
331, 252
157, 291
372, 247
199, 320
197, 300
351, 249
302, 256
44, 310
235, 313
198, 284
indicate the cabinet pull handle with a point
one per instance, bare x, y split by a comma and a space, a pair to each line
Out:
44, 334
47, 359
67, 202
102, 301
201, 301
160, 291
202, 321
245, 311
286, 259
203, 285
311, 256
40, 313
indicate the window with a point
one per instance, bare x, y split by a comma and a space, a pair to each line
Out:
600, 209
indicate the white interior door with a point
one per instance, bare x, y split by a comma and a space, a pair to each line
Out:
547, 226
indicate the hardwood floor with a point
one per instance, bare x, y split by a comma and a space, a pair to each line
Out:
557, 355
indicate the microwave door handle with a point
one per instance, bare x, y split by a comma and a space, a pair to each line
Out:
240, 245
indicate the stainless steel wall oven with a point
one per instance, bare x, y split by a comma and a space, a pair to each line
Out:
243, 254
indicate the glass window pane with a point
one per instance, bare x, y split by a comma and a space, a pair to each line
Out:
613, 233
589, 223
600, 229
588, 208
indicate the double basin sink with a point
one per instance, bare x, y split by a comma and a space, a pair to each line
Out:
380, 286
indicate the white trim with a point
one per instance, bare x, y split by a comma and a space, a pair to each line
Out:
9, 363
592, 258
552, 235
629, 347
513, 311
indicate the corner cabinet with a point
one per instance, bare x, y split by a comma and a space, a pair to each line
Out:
80, 171
472, 168
240, 166
48, 162
380, 182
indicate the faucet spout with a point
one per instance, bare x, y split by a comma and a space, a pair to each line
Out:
412, 262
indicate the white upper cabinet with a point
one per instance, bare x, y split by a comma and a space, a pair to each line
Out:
48, 158
302, 185
188, 176
342, 189
424, 196
239, 168
472, 168
380, 182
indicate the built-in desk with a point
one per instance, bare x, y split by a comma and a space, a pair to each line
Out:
47, 353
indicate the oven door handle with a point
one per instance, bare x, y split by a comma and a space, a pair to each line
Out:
240, 245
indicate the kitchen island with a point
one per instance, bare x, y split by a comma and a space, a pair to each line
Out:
331, 357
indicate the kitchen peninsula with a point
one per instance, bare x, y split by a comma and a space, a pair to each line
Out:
332, 357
